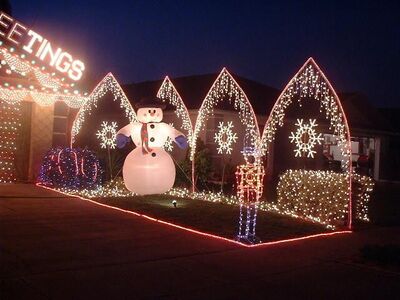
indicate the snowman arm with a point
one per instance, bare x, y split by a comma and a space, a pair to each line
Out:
123, 135
180, 139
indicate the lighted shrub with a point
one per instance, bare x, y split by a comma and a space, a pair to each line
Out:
322, 195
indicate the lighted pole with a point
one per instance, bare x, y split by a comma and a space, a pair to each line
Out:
249, 178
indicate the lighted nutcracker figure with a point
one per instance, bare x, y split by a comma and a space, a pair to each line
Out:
249, 179
149, 169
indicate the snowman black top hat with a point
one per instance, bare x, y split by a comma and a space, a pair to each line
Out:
151, 102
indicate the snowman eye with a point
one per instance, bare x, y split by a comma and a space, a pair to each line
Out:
149, 111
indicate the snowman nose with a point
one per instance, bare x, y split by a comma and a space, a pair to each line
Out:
152, 112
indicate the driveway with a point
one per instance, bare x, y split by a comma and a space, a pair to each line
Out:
58, 247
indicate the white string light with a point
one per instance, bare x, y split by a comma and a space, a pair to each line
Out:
49, 92
107, 134
321, 196
305, 138
168, 93
169, 143
13, 96
117, 188
310, 82
107, 84
225, 138
226, 88
10, 123
25, 68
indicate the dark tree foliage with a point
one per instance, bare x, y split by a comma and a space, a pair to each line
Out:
203, 167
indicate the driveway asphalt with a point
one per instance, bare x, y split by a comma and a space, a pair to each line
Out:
59, 247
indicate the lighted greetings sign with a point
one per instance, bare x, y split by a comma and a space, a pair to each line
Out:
35, 44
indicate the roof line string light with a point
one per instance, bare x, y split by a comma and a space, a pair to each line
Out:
45, 91
25, 68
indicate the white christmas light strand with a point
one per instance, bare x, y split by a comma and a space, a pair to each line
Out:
308, 211
169, 143
226, 88
107, 84
22, 66
322, 196
362, 191
305, 138
47, 94
10, 123
13, 96
225, 138
310, 82
107, 134
169, 94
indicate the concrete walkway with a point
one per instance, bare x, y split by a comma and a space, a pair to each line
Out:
55, 247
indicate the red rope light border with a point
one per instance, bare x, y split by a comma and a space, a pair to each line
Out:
196, 231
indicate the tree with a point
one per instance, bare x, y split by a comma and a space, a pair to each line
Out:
203, 167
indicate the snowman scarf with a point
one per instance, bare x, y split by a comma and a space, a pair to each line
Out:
145, 139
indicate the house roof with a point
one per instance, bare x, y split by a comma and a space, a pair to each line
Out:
362, 114
193, 89
392, 116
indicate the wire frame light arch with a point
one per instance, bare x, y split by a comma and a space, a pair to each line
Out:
225, 87
311, 82
107, 84
168, 93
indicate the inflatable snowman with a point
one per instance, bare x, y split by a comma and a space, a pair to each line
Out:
149, 169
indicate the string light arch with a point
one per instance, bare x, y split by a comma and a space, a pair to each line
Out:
225, 138
107, 84
311, 82
168, 93
225, 87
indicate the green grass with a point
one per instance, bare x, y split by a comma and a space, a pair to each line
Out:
216, 218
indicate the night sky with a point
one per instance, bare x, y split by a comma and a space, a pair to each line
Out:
357, 44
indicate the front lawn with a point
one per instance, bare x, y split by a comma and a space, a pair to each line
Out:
213, 217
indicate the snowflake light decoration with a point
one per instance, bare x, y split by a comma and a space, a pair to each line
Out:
107, 134
305, 138
225, 138
169, 143
107, 84
225, 89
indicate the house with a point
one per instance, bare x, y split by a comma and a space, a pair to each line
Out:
39, 89
372, 133
41, 92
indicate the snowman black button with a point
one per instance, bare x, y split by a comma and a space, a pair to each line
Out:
152, 126
152, 139
153, 154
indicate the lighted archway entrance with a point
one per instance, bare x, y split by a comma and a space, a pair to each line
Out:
311, 83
